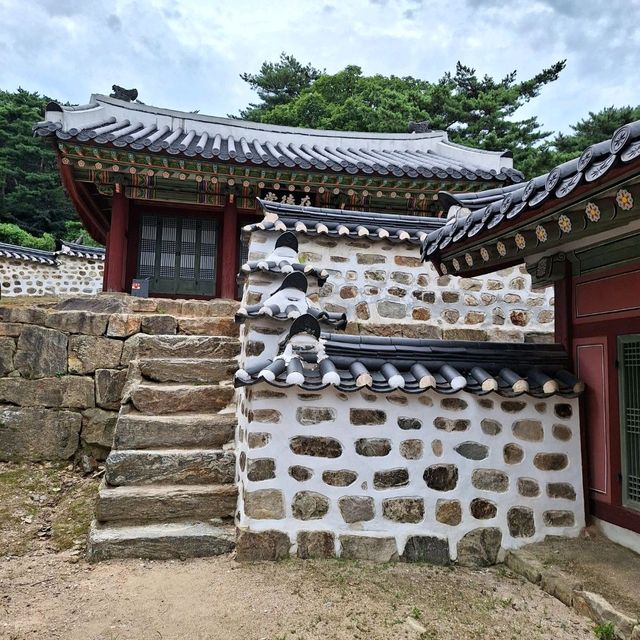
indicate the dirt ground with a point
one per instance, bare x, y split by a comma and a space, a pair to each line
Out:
48, 591
603, 567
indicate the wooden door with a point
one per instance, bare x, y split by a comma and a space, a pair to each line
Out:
178, 255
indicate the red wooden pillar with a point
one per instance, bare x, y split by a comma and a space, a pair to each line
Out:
563, 311
117, 241
229, 242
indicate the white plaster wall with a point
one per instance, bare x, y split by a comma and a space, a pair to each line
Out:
287, 427
500, 306
71, 275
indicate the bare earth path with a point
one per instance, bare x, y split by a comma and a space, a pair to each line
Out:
55, 596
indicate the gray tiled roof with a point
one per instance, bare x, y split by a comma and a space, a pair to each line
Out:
136, 126
485, 210
338, 222
50, 257
353, 362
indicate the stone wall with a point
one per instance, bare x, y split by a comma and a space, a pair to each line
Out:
63, 367
385, 289
427, 477
70, 275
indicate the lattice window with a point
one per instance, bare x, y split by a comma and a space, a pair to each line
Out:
168, 247
188, 249
148, 233
208, 242
629, 356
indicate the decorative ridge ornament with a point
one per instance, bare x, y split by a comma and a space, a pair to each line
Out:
120, 93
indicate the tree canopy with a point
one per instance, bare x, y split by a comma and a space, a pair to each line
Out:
475, 111
31, 195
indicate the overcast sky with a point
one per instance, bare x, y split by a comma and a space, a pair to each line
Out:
187, 54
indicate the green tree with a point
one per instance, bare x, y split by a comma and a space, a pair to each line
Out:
31, 195
475, 111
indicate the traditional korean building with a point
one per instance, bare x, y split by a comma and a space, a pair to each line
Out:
575, 228
167, 191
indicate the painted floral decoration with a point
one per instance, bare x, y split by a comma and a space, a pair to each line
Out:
502, 250
541, 233
592, 212
564, 223
485, 254
468, 259
521, 243
456, 264
624, 199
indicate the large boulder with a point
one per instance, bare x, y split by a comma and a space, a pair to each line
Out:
38, 433
41, 352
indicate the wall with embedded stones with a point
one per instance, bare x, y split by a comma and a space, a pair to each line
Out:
71, 275
429, 477
385, 289
63, 368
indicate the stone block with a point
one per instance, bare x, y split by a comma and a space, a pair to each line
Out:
80, 322
528, 487
391, 478
254, 546
563, 410
561, 432
449, 512
88, 353
264, 504
209, 326
521, 522
601, 611
38, 434
560, 586
109, 387
299, 473
530, 430
258, 439
271, 416
339, 478
123, 325
309, 505
388, 309
522, 564
551, 461
317, 446
71, 392
512, 406
562, 490
411, 449
490, 480
482, 509
409, 423
356, 508
373, 447
441, 477
10, 329
159, 325
513, 453
315, 415
490, 427
368, 548
259, 469
476, 335
359, 417
427, 549
403, 509
41, 352
370, 258
7, 350
98, 427
472, 450
480, 547
316, 544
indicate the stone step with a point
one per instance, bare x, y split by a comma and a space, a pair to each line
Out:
180, 346
192, 430
170, 466
159, 541
163, 398
209, 326
200, 370
158, 503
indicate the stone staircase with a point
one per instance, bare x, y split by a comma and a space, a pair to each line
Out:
169, 489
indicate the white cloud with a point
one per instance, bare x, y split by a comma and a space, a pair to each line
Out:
188, 54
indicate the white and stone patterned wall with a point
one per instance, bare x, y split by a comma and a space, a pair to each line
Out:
382, 285
71, 275
427, 477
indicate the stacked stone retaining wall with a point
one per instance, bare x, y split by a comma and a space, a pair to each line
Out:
63, 367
